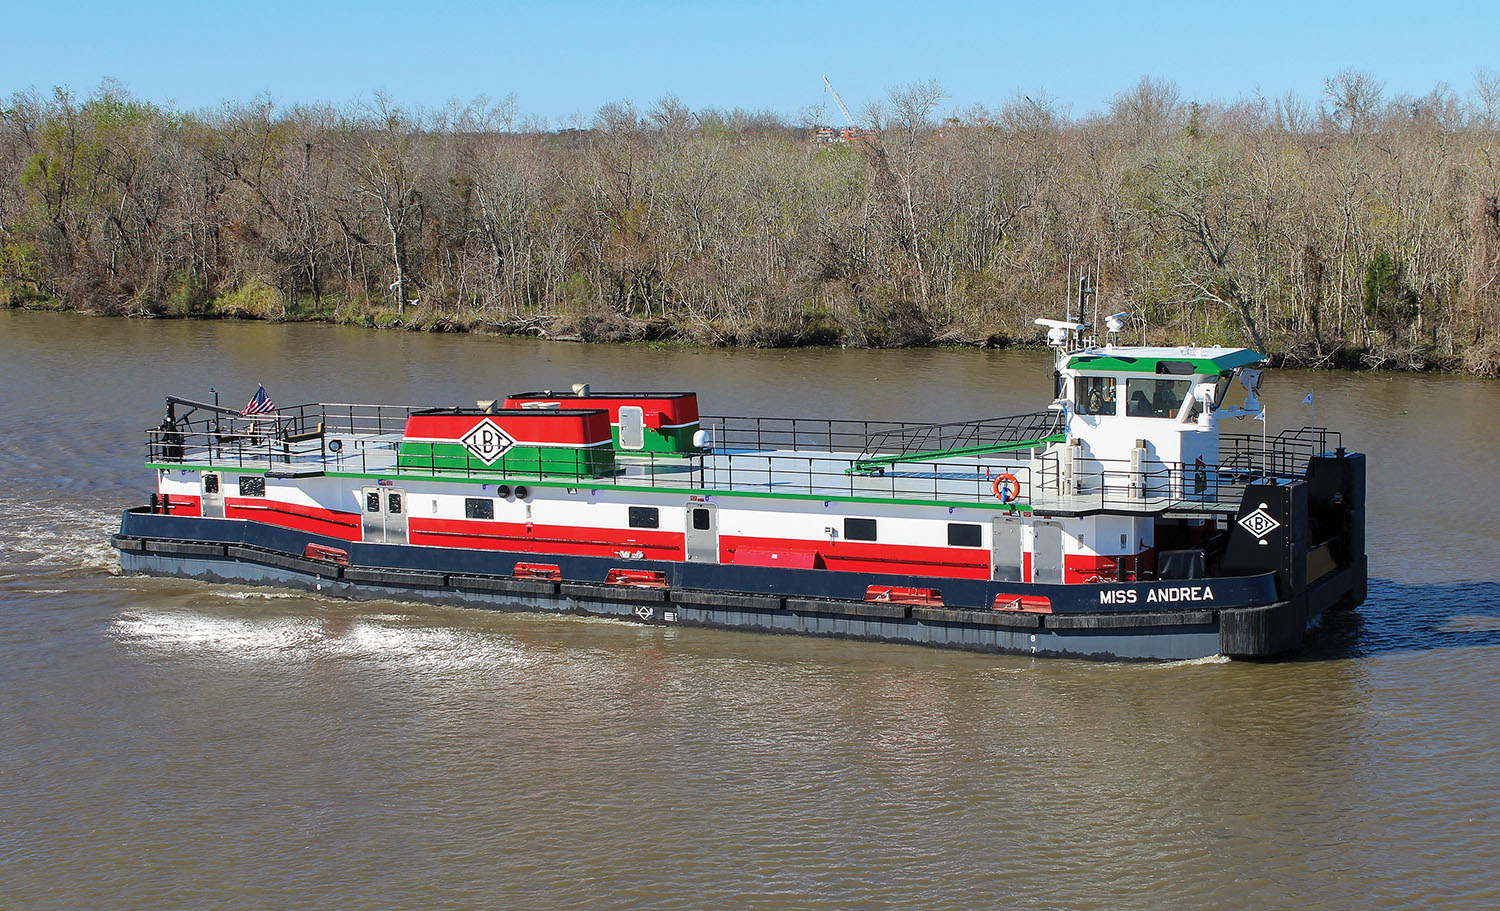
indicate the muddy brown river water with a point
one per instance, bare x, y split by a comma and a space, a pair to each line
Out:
168, 744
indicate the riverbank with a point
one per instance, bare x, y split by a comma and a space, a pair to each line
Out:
615, 328
1370, 244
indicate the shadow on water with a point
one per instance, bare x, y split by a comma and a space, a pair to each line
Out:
1400, 617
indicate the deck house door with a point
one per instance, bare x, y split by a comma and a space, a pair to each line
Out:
702, 539
1006, 545
383, 517
1047, 553
372, 517
632, 427
213, 495
394, 501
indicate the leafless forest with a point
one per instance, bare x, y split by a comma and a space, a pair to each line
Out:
1357, 228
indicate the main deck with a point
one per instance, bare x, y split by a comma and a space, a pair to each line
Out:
954, 463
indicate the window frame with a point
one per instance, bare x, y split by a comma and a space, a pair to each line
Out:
978, 533
1083, 385
475, 505
644, 517
1135, 384
849, 529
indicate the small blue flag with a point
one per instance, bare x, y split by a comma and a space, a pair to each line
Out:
1307, 400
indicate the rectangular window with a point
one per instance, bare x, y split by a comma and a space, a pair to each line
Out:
859, 529
1152, 398
479, 508
372, 502
393, 504
961, 535
1096, 395
252, 487
210, 483
644, 517
700, 519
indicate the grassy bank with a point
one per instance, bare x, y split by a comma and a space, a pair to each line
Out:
611, 328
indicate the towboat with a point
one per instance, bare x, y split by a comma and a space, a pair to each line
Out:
1144, 514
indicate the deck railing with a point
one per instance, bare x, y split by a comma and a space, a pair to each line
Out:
929, 439
735, 432
363, 439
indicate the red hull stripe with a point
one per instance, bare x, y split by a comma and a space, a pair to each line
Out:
180, 505
561, 539
343, 525
848, 556
858, 556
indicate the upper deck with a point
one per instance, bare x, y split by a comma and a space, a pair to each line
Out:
954, 464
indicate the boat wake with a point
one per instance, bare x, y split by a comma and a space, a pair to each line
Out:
57, 540
340, 635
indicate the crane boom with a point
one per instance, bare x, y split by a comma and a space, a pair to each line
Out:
840, 102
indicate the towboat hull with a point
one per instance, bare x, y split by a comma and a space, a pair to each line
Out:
1238, 616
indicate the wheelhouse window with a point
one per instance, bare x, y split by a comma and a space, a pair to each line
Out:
963, 535
1155, 398
645, 517
479, 508
252, 487
859, 529
1096, 395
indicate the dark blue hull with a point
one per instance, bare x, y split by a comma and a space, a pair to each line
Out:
1169, 620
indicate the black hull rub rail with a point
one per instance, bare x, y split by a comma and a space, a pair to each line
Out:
1168, 634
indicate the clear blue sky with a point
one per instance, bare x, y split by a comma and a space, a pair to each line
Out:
565, 59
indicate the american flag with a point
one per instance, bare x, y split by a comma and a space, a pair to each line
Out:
260, 403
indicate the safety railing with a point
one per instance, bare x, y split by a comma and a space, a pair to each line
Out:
910, 440
1286, 454
749, 455
769, 472
734, 432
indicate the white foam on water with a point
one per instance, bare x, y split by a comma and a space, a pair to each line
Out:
1189, 662
321, 636
190, 631
61, 539
260, 596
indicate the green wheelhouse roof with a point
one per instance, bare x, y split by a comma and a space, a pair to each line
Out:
1164, 361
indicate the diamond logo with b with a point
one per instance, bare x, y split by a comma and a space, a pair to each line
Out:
487, 441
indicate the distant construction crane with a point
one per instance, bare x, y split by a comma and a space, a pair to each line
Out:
840, 102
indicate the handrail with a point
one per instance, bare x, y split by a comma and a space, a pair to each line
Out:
365, 439
956, 435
